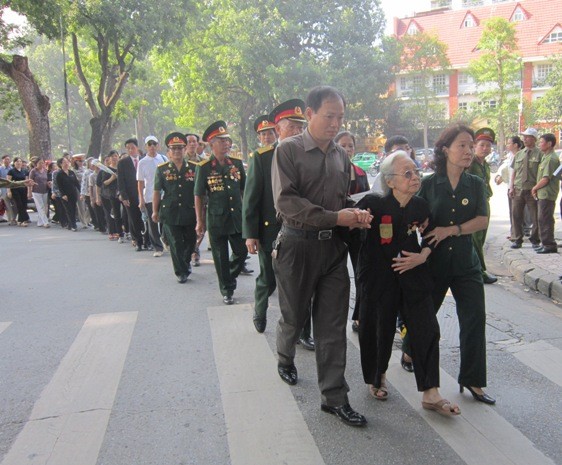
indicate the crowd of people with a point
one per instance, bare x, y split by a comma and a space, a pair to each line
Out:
303, 207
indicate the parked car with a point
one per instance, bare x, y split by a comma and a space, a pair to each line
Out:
364, 160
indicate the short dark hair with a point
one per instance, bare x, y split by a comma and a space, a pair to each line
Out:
344, 134
446, 138
319, 94
59, 162
394, 140
194, 135
132, 140
549, 137
5, 156
517, 140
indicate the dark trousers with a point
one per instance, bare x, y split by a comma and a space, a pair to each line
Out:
92, 211
19, 197
100, 216
546, 223
60, 212
307, 268
116, 212
378, 326
70, 209
478, 241
519, 201
227, 268
153, 231
181, 240
135, 222
265, 282
110, 219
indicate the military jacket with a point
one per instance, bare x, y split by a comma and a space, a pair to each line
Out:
518, 165
223, 185
482, 170
454, 255
547, 167
178, 205
258, 212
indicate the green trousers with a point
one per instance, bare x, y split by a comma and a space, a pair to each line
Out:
228, 268
478, 240
181, 240
265, 283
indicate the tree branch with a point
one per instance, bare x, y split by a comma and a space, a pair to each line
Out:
103, 52
89, 96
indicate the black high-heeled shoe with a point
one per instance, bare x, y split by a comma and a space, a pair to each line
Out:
485, 398
408, 366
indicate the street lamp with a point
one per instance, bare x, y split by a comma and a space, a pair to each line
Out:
520, 60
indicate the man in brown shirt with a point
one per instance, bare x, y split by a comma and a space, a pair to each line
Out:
310, 179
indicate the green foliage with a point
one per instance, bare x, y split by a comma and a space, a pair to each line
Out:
549, 107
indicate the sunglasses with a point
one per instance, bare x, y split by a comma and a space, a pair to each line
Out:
151, 143
409, 174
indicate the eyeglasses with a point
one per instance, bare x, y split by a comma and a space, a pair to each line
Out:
408, 174
151, 143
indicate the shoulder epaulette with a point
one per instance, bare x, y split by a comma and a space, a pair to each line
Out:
201, 163
162, 164
264, 149
196, 163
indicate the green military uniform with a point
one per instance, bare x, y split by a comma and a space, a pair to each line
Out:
223, 185
454, 264
177, 211
259, 222
482, 170
547, 196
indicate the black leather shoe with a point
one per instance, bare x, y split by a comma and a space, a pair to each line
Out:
488, 278
408, 366
485, 398
138, 248
306, 343
536, 246
228, 300
245, 271
288, 373
259, 324
516, 245
546, 250
182, 278
346, 414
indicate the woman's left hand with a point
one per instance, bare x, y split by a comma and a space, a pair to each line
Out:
407, 261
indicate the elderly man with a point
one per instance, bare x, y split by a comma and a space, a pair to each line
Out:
259, 223
524, 177
5, 166
265, 130
310, 178
222, 179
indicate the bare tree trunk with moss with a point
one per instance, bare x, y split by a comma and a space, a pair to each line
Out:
35, 104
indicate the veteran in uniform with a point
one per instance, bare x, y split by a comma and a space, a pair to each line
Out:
176, 210
259, 223
222, 179
265, 128
483, 140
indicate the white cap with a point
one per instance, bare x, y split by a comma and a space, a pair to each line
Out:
150, 138
531, 132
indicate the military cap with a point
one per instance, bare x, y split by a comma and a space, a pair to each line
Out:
175, 139
217, 129
485, 134
194, 135
262, 123
79, 156
291, 109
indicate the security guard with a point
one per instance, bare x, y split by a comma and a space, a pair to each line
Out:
176, 211
259, 223
222, 180
265, 130
483, 140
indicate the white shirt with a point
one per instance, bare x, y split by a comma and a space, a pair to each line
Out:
146, 171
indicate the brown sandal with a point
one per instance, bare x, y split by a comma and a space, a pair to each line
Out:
380, 393
438, 407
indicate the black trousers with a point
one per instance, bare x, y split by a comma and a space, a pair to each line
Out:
378, 325
135, 222
19, 196
153, 232
92, 211
70, 209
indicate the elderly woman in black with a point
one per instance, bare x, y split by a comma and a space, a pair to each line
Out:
392, 276
69, 188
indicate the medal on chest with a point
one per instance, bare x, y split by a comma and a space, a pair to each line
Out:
385, 229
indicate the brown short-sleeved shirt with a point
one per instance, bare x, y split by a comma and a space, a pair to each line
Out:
309, 186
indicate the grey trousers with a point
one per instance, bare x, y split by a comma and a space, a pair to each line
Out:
307, 268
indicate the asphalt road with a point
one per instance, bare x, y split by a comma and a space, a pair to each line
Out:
107, 360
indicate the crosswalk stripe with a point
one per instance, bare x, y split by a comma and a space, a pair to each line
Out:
4, 326
68, 422
264, 424
542, 357
480, 436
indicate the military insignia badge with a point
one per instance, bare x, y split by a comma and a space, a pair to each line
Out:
464, 202
298, 111
385, 229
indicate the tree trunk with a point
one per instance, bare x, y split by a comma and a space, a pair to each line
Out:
107, 138
97, 124
35, 105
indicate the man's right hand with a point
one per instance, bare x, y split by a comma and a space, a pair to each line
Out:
354, 218
253, 246
126, 203
200, 228
511, 192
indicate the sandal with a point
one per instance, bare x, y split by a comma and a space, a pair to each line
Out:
379, 393
450, 411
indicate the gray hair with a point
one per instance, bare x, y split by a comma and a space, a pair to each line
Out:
387, 168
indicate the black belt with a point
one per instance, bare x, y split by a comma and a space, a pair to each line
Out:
321, 235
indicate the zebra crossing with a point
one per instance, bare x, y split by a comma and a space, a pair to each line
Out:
264, 422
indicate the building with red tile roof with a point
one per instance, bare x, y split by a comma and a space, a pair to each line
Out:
459, 24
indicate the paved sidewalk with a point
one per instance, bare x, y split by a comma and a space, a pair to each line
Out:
542, 273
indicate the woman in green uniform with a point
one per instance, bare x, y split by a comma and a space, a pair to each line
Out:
459, 208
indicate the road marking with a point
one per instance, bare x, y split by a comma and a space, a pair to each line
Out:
68, 422
263, 422
4, 326
542, 357
480, 436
